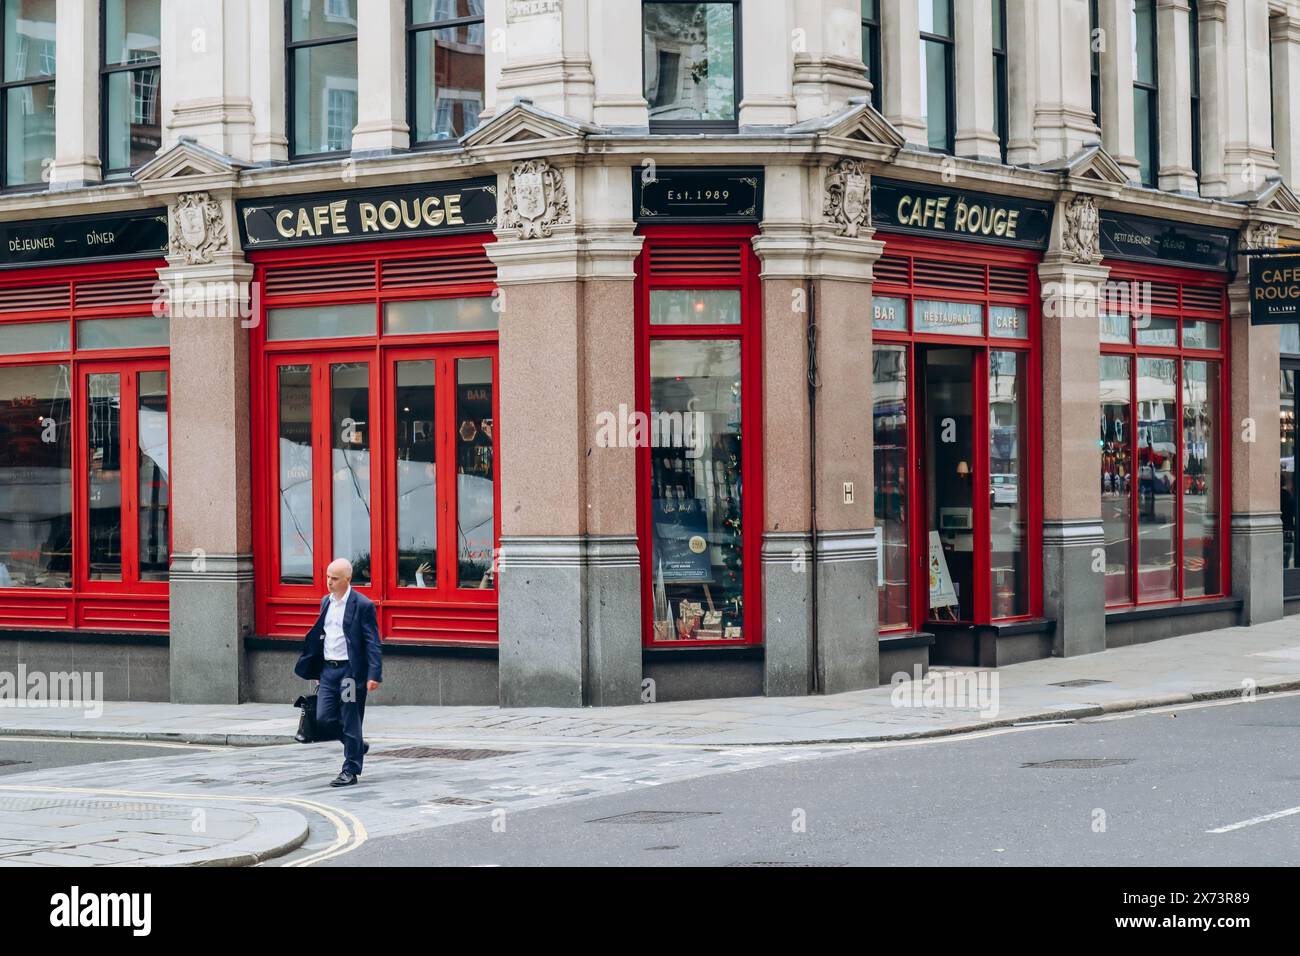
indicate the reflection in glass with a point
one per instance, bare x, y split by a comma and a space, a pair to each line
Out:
426, 316
350, 465
325, 98
1008, 322
320, 322
1201, 335
695, 307
1290, 502
889, 428
1290, 339
131, 30
449, 84
104, 492
154, 477
697, 560
29, 132
1007, 493
1200, 479
1156, 331
23, 338
417, 476
1117, 475
134, 120
475, 474
295, 474
134, 333
1115, 328
322, 19
935, 22
690, 61
35, 477
889, 313
1157, 451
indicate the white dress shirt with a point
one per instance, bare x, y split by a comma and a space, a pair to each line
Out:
336, 645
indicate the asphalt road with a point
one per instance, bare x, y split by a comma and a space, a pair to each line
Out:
23, 754
1176, 776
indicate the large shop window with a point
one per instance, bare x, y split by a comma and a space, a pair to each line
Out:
700, 510
131, 114
27, 58
445, 50
958, 497
378, 390
321, 62
692, 64
1163, 465
1290, 497
85, 516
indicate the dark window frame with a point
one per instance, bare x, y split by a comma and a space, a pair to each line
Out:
5, 87
1152, 90
948, 43
871, 55
291, 48
738, 91
105, 72
1001, 121
1094, 58
413, 30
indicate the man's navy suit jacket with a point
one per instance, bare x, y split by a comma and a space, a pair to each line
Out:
360, 628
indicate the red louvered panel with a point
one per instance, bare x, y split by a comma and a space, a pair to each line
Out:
122, 614
462, 625
714, 260
438, 270
937, 274
39, 298
893, 270
290, 620
21, 611
135, 292
1203, 299
1005, 281
1163, 296
315, 280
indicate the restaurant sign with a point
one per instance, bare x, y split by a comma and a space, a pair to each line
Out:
960, 214
1274, 290
122, 235
698, 194
1139, 239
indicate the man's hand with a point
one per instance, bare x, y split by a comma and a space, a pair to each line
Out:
372, 685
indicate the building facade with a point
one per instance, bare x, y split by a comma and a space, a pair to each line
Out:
639, 349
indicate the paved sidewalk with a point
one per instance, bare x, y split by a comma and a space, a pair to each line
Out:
1200, 666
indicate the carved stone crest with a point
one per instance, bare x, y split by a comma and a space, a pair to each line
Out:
536, 199
1260, 235
848, 197
1081, 238
198, 228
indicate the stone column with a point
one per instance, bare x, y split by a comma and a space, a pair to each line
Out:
206, 93
381, 93
1175, 73
1074, 584
1284, 33
900, 51
976, 136
1252, 431
616, 40
211, 563
1116, 24
767, 98
547, 57
76, 95
1246, 114
1213, 19
1049, 75
266, 81
828, 67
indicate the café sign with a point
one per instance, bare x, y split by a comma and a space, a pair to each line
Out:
1274, 290
1139, 239
698, 194
123, 235
960, 214
388, 213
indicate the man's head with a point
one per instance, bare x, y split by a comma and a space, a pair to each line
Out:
339, 576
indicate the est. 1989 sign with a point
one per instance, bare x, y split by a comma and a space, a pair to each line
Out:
1274, 290
698, 194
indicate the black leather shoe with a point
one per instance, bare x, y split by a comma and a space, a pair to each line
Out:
365, 748
344, 779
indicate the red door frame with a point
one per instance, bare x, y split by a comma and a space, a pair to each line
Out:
749, 334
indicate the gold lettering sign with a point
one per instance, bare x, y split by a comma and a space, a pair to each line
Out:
330, 219
972, 218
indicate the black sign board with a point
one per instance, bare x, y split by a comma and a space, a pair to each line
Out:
123, 235
430, 209
1274, 290
698, 194
1140, 239
960, 214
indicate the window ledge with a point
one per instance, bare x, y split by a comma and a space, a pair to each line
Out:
741, 652
1148, 612
898, 640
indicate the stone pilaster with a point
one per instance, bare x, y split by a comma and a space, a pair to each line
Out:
766, 62
1049, 96
976, 136
1212, 30
1175, 173
900, 43
1116, 24
266, 81
381, 93
1284, 33
616, 61
206, 92
76, 120
547, 56
828, 67
1248, 149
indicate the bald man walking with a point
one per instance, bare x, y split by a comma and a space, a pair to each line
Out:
342, 652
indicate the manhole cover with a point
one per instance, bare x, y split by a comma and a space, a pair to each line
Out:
12, 763
785, 863
439, 753
461, 802
656, 816
1081, 682
1079, 763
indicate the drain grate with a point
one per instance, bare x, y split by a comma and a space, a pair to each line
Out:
1081, 682
657, 816
461, 802
442, 753
1079, 763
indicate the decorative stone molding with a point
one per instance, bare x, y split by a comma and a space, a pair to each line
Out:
536, 200
198, 229
1081, 237
1259, 235
848, 197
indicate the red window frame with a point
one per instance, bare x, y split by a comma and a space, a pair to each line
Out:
887, 284
128, 605
695, 273
1123, 272
446, 614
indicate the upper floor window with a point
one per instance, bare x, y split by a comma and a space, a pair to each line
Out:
871, 47
1146, 112
937, 94
1194, 53
132, 124
26, 91
691, 63
1000, 74
445, 49
321, 62
1094, 58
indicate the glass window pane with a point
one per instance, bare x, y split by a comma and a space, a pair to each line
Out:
949, 453
1201, 335
440, 315
435, 11
1117, 475
449, 81
350, 465
144, 331
1008, 322
935, 16
1290, 339
690, 61
889, 313
1144, 146
133, 128
1290, 502
29, 48
1144, 41
695, 307
325, 98
296, 485
948, 318
935, 93
869, 9
1154, 331
1007, 495
319, 19
131, 30
154, 505
475, 474
24, 338
889, 428
1115, 328
1157, 449
417, 475
28, 134
104, 493
35, 477
1200, 479
321, 322
697, 560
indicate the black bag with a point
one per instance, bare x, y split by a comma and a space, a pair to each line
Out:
307, 721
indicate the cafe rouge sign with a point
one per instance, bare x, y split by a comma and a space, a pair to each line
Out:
979, 217
386, 213
1274, 290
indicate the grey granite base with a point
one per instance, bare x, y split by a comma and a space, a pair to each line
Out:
211, 616
1074, 592
1257, 565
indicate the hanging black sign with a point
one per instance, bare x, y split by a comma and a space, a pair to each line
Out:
1274, 290
960, 214
388, 213
698, 194
1140, 239
123, 235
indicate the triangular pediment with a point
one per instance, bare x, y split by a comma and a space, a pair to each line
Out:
523, 122
1092, 165
1274, 196
187, 159
858, 122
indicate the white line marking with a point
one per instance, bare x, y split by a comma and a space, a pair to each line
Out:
1266, 818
